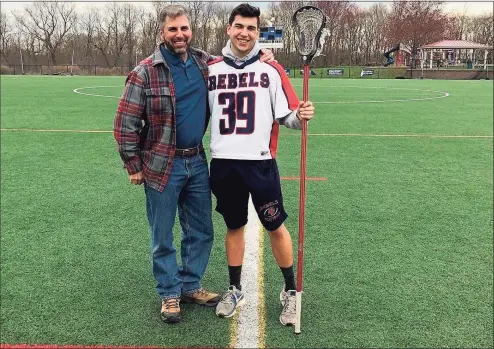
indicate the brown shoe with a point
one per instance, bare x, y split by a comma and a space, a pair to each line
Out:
170, 310
202, 297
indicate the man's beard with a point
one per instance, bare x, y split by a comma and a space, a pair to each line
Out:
178, 51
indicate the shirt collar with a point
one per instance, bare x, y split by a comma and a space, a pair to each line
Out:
171, 57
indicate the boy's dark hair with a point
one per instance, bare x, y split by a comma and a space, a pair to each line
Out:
245, 10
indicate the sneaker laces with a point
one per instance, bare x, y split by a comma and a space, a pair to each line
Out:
171, 303
290, 304
228, 296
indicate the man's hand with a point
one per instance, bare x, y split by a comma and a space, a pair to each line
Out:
136, 178
305, 110
266, 55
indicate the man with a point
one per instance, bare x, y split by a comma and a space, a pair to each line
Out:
159, 125
248, 101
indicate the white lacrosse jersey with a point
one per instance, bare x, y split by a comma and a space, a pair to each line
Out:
245, 102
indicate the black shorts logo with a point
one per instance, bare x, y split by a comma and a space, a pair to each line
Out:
270, 211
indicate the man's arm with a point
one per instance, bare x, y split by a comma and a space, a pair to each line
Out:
266, 55
128, 124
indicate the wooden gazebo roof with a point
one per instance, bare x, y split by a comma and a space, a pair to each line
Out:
455, 44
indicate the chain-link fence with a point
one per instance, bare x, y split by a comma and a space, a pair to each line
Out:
346, 72
32, 69
350, 72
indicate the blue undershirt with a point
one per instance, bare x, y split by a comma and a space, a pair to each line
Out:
190, 99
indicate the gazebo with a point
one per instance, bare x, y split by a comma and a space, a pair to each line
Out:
453, 45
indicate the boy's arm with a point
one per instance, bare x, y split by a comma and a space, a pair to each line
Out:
284, 100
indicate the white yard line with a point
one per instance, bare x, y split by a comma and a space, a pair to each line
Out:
250, 321
77, 90
385, 135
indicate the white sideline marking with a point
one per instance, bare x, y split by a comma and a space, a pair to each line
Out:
444, 94
95, 95
248, 334
384, 135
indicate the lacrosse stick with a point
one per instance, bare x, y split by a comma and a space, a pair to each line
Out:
310, 23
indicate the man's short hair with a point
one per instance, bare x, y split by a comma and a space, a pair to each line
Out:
245, 10
173, 11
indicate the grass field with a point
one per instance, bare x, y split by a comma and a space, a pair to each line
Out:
399, 237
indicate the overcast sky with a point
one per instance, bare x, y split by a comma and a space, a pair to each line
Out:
470, 7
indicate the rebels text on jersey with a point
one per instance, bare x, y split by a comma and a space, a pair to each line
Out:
245, 102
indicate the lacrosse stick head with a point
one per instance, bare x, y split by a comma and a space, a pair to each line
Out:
310, 24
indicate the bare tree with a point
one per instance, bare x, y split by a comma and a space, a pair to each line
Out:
353, 22
416, 22
481, 29
218, 27
335, 12
149, 24
87, 28
5, 36
284, 12
112, 33
48, 22
205, 30
149, 31
130, 15
456, 26
373, 35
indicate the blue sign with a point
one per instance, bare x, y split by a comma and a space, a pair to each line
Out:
271, 34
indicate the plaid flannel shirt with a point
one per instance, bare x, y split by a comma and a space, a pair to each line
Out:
145, 122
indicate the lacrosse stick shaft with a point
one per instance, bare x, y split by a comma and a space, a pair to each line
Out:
301, 217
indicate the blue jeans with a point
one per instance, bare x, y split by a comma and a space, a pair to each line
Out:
188, 189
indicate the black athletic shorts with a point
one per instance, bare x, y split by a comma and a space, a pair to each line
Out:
233, 180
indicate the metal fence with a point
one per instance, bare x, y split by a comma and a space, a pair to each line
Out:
342, 72
336, 72
35, 69
350, 72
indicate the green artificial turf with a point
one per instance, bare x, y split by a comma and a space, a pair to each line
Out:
398, 238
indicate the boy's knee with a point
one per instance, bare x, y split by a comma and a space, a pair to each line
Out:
235, 231
278, 232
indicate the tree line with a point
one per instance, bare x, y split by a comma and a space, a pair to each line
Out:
119, 34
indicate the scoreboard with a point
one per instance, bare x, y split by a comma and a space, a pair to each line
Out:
271, 37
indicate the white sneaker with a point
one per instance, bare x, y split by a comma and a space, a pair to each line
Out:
230, 301
288, 315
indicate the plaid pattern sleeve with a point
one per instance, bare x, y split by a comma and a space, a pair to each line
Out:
128, 122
